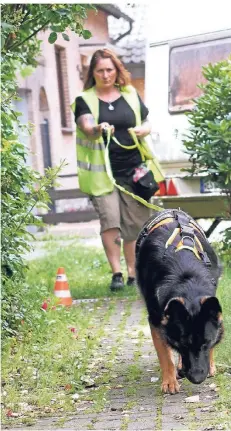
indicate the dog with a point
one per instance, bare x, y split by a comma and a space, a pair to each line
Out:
177, 273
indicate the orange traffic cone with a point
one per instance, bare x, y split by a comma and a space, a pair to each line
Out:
61, 288
162, 189
171, 190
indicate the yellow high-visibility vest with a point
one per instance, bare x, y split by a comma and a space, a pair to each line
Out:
92, 175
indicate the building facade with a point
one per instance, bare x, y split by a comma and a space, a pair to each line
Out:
46, 95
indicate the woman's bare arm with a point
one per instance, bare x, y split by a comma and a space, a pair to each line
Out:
87, 124
146, 126
143, 130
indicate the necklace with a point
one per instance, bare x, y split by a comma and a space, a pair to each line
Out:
110, 106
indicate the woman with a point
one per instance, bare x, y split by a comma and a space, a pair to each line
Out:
108, 100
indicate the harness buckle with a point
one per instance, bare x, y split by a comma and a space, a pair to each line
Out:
188, 230
188, 241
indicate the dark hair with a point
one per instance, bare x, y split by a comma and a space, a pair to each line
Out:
123, 76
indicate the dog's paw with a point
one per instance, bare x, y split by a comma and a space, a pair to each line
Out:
170, 385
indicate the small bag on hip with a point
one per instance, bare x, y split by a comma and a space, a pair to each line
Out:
143, 182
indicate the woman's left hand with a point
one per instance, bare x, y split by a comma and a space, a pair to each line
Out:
141, 131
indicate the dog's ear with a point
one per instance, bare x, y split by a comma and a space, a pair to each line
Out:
210, 307
175, 310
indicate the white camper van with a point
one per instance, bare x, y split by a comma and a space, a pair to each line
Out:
182, 37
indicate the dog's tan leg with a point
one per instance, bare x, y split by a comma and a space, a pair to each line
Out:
212, 366
166, 359
179, 366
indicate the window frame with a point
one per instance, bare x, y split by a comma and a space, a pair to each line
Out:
182, 42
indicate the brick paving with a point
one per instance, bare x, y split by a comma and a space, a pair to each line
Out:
132, 397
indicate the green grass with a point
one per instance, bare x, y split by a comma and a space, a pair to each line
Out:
223, 350
50, 363
223, 354
47, 363
87, 271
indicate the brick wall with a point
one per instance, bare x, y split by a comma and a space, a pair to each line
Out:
63, 82
138, 83
97, 24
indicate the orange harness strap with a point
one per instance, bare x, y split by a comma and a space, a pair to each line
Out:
197, 246
186, 229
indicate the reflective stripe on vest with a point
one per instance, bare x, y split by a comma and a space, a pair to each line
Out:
90, 167
90, 144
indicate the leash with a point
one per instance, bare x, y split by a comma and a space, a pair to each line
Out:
186, 225
184, 236
144, 156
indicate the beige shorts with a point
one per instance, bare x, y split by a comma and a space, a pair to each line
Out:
118, 210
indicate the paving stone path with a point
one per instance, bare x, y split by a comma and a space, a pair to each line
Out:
132, 399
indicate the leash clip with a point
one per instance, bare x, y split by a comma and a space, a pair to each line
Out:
105, 132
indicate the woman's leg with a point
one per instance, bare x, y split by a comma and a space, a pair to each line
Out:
129, 254
133, 217
108, 210
112, 242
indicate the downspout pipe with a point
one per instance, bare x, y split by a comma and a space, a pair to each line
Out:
114, 41
117, 13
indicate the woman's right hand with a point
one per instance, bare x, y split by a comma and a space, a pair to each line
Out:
86, 123
102, 126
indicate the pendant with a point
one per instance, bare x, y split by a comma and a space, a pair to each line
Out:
111, 107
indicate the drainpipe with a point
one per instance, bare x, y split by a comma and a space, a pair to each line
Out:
110, 9
124, 34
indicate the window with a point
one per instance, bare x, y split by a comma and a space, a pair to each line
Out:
186, 59
61, 65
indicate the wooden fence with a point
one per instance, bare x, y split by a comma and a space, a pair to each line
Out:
209, 205
73, 216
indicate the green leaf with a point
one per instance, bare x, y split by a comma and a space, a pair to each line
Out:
86, 34
53, 37
2, 42
55, 28
6, 26
65, 37
27, 71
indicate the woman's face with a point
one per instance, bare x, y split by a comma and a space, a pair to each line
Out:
104, 73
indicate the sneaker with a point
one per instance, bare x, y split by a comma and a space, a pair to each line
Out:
117, 281
131, 281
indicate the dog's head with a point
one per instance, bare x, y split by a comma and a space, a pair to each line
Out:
193, 329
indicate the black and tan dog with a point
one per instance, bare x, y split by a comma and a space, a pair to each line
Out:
177, 273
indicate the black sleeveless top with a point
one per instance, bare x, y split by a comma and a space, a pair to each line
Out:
122, 117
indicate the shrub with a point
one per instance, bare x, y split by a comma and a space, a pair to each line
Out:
209, 139
22, 188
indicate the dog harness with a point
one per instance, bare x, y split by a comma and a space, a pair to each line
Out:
183, 236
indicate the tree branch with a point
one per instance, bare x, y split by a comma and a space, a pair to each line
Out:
25, 16
24, 22
36, 17
8, 98
16, 45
